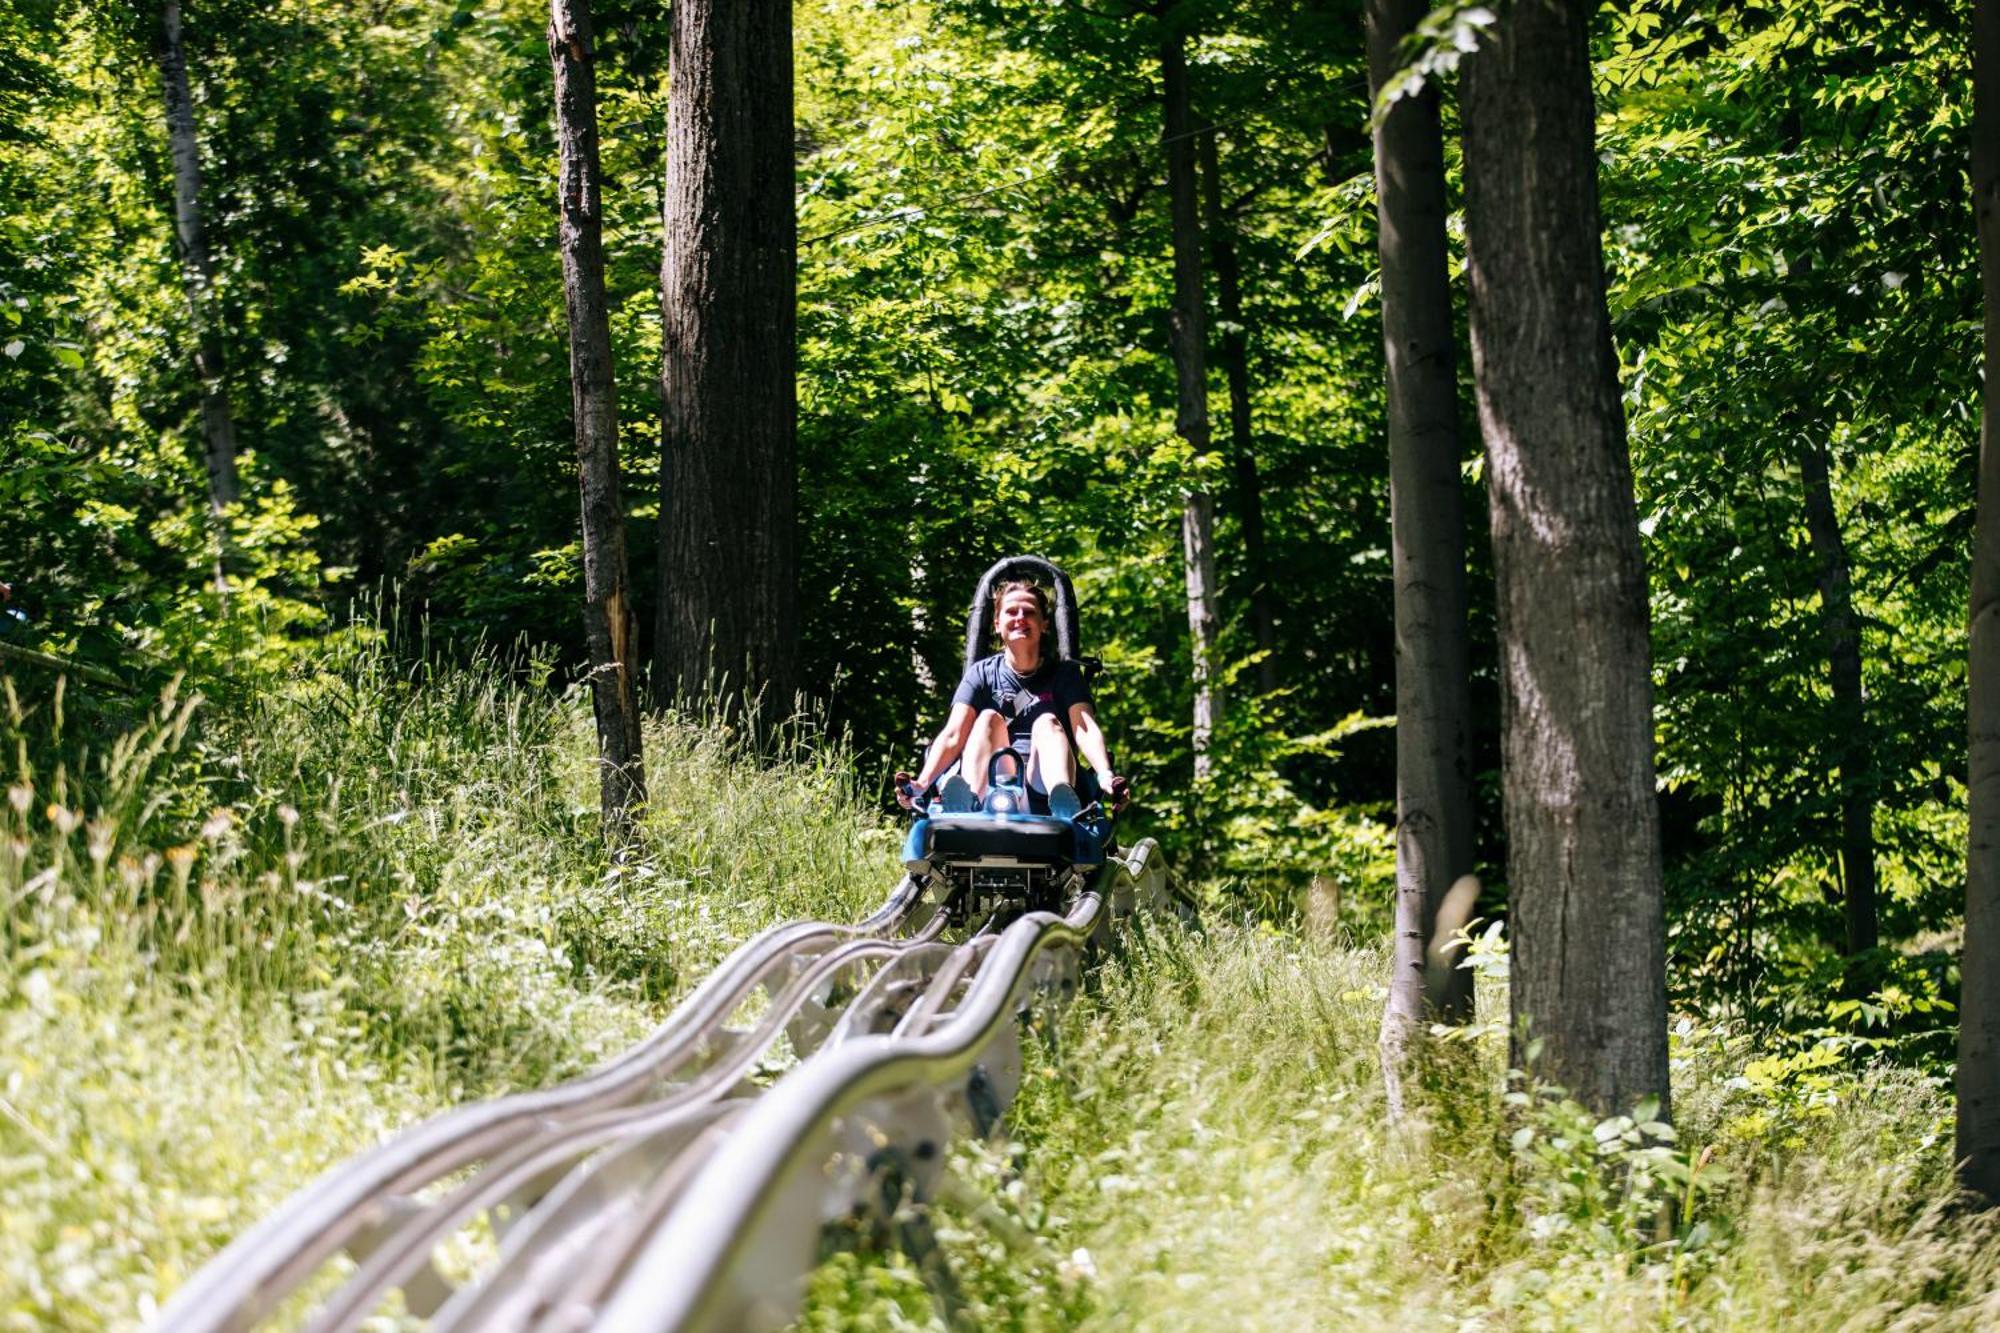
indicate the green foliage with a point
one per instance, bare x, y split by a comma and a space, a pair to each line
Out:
1793, 267
1165, 1171
1613, 1180
983, 282
102, 505
247, 939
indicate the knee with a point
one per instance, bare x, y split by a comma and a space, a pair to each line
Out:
988, 724
1047, 726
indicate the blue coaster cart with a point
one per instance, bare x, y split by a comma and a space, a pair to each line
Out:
1013, 856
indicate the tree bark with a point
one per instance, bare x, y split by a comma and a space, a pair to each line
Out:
1191, 376
728, 578
1577, 750
1979, 1000
1848, 718
1235, 350
610, 627
218, 427
1434, 835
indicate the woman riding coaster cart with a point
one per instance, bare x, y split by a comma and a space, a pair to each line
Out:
990, 848
1024, 700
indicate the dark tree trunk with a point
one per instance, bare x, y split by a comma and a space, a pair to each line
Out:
609, 625
1848, 719
1434, 843
728, 614
1235, 349
1979, 1001
1191, 374
1583, 857
218, 428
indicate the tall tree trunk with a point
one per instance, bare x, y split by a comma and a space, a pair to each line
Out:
1235, 349
1848, 718
1583, 860
610, 627
1979, 1001
1434, 842
218, 428
1191, 373
728, 613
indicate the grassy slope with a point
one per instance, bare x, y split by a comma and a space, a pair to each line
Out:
1500, 1215
242, 946
1206, 1149
246, 947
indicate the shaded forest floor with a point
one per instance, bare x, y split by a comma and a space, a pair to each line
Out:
245, 941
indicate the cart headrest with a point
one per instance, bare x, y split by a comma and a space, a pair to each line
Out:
979, 619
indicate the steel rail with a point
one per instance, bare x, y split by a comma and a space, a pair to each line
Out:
606, 1266
685, 1275
886, 990
400, 1256
253, 1273
527, 1277
963, 959
551, 1273
576, 1238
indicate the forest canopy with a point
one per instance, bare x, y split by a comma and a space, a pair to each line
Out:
984, 286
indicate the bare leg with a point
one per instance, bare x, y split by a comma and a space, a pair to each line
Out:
1053, 761
989, 735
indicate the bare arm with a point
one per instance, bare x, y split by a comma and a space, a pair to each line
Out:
949, 743
1090, 740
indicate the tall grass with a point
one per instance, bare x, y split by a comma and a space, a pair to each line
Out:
1205, 1147
244, 942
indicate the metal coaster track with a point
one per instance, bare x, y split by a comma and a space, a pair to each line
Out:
666, 1189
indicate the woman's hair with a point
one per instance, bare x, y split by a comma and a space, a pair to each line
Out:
1023, 585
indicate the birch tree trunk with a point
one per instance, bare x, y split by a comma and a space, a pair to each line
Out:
1235, 349
610, 627
728, 578
1191, 375
1434, 834
218, 428
1979, 1001
1583, 856
1848, 717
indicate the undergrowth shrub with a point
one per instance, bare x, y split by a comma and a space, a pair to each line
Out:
731, 847
1204, 1145
244, 941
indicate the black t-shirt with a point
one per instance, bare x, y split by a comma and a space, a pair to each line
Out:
1054, 687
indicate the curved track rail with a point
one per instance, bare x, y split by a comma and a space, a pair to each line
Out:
352, 1205
668, 1189
730, 1255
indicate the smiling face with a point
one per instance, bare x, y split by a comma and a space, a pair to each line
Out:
1021, 622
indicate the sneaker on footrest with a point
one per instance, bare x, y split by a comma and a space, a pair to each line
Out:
1063, 801
958, 796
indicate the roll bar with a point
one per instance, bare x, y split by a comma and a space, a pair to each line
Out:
979, 619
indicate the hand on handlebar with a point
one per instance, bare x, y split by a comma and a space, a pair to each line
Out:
1120, 795
908, 794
